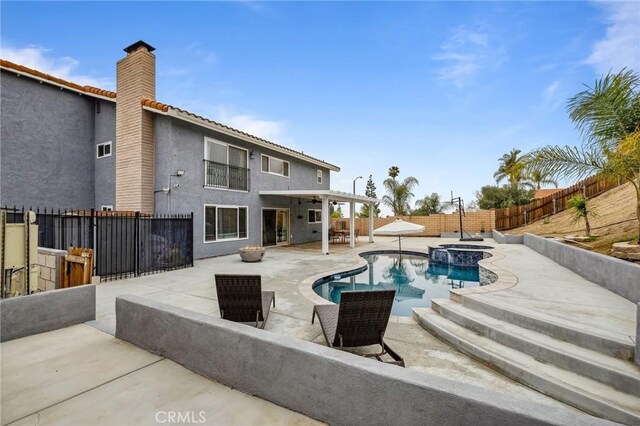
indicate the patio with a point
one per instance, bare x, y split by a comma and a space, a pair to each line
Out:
281, 268
119, 394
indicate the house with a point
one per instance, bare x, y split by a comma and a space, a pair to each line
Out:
81, 147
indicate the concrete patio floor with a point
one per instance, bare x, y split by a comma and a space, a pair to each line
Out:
81, 375
285, 267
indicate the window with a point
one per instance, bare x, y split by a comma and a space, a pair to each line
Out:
275, 166
103, 150
319, 174
226, 166
225, 223
106, 208
315, 216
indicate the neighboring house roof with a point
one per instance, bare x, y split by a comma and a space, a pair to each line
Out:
165, 109
162, 108
39, 75
541, 193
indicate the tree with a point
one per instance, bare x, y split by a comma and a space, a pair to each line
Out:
511, 167
608, 116
536, 179
399, 193
578, 206
337, 213
496, 197
430, 204
370, 191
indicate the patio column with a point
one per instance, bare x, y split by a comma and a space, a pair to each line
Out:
371, 214
325, 224
352, 224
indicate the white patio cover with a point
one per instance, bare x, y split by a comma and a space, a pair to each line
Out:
399, 227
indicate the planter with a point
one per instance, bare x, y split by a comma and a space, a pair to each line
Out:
251, 254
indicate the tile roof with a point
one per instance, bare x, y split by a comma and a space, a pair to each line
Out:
154, 105
88, 89
541, 193
165, 108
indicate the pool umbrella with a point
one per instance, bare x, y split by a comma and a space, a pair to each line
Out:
399, 227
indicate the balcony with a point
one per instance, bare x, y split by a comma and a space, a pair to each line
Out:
220, 175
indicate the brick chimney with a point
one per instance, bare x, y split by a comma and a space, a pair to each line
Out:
135, 142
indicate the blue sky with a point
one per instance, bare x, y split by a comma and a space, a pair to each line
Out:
439, 89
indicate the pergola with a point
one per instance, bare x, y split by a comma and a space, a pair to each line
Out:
327, 196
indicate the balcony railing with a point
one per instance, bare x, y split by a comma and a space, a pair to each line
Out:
220, 175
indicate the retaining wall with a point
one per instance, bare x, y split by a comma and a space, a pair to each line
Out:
501, 238
618, 276
333, 386
40, 312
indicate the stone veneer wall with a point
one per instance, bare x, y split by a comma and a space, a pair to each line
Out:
49, 265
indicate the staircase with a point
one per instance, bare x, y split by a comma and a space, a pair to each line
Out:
587, 368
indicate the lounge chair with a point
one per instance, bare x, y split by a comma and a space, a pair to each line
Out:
360, 320
241, 299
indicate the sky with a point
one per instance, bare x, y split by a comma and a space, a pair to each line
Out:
439, 89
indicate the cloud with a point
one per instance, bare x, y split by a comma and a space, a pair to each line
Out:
550, 93
271, 130
202, 53
621, 46
63, 67
463, 54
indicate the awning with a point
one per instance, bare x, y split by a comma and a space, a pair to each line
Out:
319, 194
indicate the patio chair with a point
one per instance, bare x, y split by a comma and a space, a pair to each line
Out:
241, 299
360, 320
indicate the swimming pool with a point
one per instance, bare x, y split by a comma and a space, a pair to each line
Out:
415, 280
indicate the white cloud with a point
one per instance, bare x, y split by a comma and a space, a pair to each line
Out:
621, 46
463, 54
64, 67
550, 93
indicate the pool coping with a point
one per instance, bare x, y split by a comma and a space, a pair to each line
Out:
504, 281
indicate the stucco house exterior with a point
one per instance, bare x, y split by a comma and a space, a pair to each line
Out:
72, 146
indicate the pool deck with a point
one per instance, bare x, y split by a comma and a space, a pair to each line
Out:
284, 270
542, 285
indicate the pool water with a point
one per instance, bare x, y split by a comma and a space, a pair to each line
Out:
415, 280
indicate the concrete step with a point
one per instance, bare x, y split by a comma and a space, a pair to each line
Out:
603, 341
581, 392
615, 372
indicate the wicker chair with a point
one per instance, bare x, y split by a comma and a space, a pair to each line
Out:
241, 299
360, 320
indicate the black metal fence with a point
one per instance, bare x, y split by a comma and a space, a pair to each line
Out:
125, 244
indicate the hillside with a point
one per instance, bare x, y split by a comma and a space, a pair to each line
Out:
614, 220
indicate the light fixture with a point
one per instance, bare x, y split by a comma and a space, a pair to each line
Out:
354, 183
180, 173
251, 155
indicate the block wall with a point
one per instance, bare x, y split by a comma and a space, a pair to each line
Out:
434, 225
49, 268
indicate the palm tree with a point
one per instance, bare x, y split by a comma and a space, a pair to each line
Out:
578, 206
511, 167
608, 116
536, 179
398, 193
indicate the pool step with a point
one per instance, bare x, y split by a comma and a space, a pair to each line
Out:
615, 372
581, 392
589, 337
